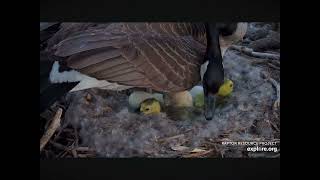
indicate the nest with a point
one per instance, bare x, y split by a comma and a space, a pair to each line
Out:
97, 123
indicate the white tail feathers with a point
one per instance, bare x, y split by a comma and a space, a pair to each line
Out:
86, 82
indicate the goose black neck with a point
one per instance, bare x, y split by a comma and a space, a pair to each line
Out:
213, 52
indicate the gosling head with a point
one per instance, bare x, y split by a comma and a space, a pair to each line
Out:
226, 88
150, 106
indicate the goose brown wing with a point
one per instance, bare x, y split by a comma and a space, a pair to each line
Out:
131, 54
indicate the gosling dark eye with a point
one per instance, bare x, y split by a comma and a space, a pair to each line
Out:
147, 109
231, 85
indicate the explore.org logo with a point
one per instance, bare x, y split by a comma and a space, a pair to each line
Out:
262, 149
255, 146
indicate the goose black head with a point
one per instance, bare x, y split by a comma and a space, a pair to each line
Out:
213, 77
212, 80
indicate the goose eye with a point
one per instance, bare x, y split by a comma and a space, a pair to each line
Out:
231, 85
147, 109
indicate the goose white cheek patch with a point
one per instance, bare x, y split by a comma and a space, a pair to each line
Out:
203, 69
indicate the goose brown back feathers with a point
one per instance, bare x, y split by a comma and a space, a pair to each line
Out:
162, 56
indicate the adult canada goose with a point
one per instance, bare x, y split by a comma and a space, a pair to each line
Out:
165, 57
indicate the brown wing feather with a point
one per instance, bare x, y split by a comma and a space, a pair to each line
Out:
162, 56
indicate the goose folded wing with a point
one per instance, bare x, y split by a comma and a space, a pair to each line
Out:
140, 59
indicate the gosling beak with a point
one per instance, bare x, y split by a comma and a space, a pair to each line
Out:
209, 106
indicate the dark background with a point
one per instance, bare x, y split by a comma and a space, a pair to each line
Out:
164, 10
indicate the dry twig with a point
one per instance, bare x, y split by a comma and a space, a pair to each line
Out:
250, 52
58, 145
84, 149
51, 129
274, 67
170, 138
273, 125
199, 154
276, 104
74, 152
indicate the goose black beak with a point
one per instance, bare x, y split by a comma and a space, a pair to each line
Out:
209, 106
